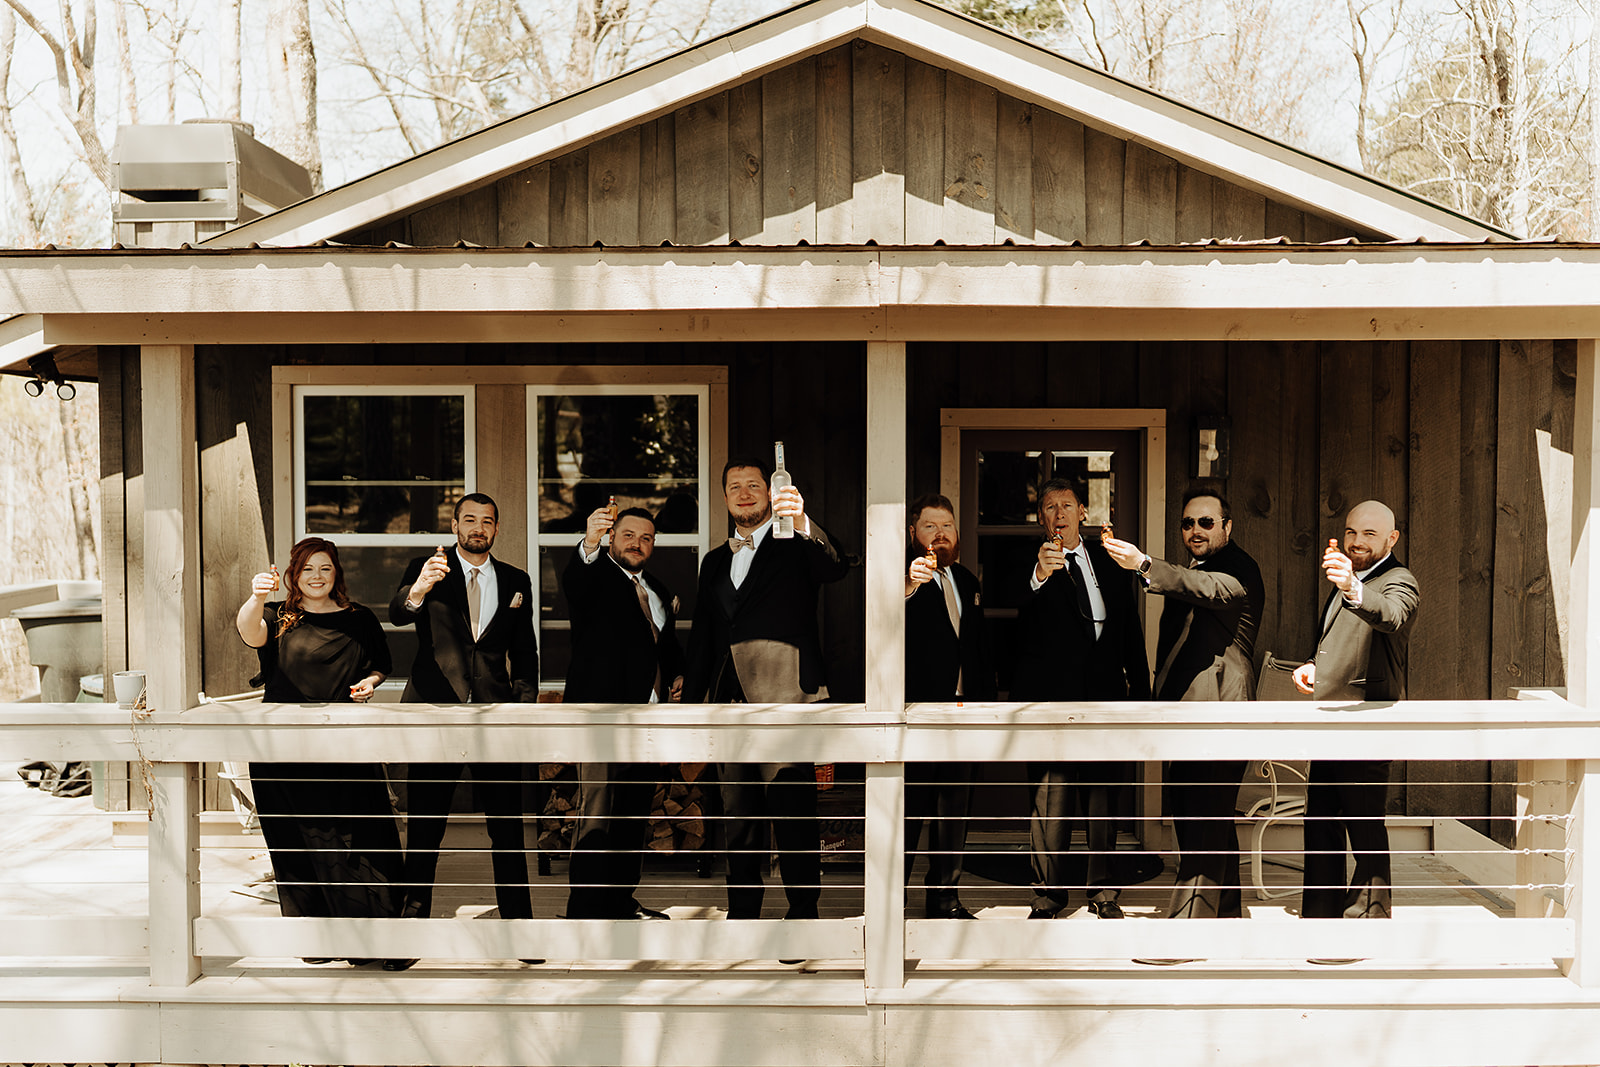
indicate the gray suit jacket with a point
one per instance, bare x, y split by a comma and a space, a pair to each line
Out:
1364, 652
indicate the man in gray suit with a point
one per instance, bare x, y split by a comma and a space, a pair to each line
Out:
1362, 655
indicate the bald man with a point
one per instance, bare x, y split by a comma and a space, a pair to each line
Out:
1362, 655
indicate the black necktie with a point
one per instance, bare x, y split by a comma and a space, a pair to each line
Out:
1078, 588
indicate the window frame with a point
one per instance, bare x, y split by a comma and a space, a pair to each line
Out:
689, 384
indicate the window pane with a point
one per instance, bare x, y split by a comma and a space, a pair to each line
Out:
1008, 483
383, 464
644, 450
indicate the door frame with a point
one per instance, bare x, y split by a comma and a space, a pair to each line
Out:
1151, 423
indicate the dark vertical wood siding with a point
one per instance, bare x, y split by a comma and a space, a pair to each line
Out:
792, 156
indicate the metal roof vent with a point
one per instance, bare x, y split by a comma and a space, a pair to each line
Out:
178, 184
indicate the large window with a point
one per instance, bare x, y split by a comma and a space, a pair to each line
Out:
648, 446
378, 471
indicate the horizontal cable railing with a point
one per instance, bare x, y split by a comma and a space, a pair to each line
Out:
344, 780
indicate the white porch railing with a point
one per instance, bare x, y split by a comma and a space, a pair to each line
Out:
1552, 735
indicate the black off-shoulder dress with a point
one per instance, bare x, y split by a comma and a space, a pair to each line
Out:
329, 826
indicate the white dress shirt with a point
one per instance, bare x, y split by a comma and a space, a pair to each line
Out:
488, 588
743, 559
1091, 584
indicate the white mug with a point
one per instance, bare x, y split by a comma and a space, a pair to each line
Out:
129, 687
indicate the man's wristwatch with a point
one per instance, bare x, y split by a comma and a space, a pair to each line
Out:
1144, 565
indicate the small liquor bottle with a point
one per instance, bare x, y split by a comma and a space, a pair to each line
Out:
783, 525
277, 578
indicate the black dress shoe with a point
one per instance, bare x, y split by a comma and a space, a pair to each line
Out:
531, 962
642, 912
955, 911
399, 965
361, 962
1106, 909
316, 959
1040, 913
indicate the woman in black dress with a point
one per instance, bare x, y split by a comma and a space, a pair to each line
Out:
329, 826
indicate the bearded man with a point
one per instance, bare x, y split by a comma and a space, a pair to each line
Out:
947, 659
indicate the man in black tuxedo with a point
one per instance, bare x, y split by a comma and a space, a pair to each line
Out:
754, 640
1078, 638
1204, 651
475, 645
624, 651
1364, 654
947, 659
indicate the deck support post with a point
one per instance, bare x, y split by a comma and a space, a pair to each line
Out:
171, 664
886, 537
1583, 669
174, 873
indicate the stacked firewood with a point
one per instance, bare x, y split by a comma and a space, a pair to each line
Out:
677, 816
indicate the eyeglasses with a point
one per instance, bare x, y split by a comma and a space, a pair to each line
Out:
1206, 522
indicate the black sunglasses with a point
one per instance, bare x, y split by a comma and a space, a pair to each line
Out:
1206, 522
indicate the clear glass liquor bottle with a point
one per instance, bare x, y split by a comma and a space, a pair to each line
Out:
782, 525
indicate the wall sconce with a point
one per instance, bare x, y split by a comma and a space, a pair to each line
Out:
1211, 441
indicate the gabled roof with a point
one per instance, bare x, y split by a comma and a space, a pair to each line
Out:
918, 29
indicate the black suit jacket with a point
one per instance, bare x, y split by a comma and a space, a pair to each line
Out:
502, 665
614, 657
776, 602
1207, 640
1058, 655
935, 656
1364, 652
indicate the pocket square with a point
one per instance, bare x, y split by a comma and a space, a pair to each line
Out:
516, 600
675, 605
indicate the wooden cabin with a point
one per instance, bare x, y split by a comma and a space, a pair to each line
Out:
926, 256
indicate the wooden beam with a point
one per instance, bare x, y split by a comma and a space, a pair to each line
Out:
172, 537
174, 853
886, 537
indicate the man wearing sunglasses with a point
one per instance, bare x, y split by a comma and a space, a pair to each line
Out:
1204, 651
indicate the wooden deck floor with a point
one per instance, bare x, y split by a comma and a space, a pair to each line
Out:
57, 857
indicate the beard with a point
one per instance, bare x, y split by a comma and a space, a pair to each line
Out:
476, 543
762, 513
633, 562
946, 550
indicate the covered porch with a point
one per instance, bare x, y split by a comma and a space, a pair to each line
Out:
192, 982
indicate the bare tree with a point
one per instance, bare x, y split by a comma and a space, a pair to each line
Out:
447, 67
293, 79
24, 214
230, 20
72, 50
1491, 120
1373, 26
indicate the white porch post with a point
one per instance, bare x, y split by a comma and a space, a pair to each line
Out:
886, 533
172, 660
1583, 667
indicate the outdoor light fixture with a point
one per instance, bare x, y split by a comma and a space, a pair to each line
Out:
1211, 446
45, 370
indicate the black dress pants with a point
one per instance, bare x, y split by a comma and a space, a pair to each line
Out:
784, 796
608, 843
938, 794
498, 791
1345, 798
1200, 796
1061, 790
